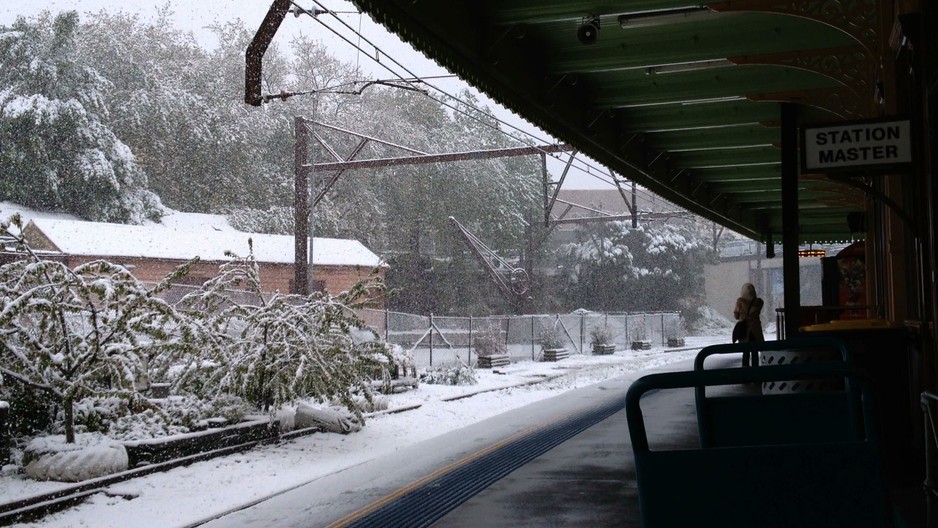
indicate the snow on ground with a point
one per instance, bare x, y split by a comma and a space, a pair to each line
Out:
184, 495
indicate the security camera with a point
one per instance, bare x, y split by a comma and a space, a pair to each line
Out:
588, 31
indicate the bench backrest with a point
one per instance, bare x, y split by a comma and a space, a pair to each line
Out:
821, 483
754, 419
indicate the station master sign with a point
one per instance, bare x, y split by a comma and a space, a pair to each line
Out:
860, 145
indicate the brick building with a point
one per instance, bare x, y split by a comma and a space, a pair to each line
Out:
152, 252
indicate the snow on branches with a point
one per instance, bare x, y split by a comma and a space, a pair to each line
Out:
80, 332
282, 348
96, 331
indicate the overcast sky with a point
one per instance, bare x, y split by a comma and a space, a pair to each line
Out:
196, 16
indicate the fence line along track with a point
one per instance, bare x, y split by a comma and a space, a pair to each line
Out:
427, 334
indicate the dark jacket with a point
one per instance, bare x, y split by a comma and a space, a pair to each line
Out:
749, 324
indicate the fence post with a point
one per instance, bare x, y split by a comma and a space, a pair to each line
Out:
507, 331
532, 337
387, 325
582, 329
470, 340
628, 342
431, 339
606, 325
663, 341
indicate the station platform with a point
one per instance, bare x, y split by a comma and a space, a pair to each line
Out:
564, 462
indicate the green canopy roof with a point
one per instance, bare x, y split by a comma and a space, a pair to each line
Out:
682, 98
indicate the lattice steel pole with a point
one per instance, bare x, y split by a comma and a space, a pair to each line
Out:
300, 207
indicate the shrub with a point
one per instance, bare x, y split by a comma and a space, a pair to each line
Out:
601, 335
284, 348
142, 426
227, 406
460, 374
403, 361
551, 338
488, 342
184, 411
95, 415
31, 410
79, 332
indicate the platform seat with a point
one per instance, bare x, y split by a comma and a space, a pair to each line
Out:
830, 481
750, 418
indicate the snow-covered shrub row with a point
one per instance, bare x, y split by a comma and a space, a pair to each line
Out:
142, 426
88, 338
459, 374
126, 419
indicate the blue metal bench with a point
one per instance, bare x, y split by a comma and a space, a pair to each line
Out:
822, 483
754, 419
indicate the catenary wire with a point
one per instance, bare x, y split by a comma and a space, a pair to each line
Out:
413, 78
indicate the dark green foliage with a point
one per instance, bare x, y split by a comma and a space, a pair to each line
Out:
615, 268
31, 410
57, 151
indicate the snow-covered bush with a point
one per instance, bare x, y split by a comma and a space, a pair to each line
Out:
80, 332
142, 426
404, 361
551, 338
95, 415
285, 347
459, 374
601, 335
227, 406
194, 377
122, 420
488, 342
674, 328
185, 411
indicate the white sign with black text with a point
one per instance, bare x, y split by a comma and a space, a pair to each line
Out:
857, 145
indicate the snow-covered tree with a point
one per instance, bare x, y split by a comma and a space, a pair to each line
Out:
281, 348
87, 331
56, 150
654, 267
181, 110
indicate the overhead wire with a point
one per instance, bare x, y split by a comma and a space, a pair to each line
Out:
413, 78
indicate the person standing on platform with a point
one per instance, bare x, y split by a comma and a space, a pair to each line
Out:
748, 329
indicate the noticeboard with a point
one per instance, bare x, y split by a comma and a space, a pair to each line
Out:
860, 145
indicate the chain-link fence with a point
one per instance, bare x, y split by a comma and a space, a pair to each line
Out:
440, 340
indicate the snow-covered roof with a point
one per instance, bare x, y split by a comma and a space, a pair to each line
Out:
119, 240
192, 221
